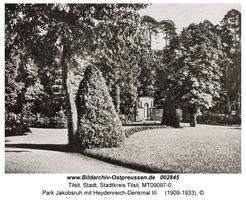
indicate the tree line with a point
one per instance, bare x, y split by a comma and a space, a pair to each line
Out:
49, 46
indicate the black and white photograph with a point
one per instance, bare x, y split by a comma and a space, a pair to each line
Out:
122, 88
121, 99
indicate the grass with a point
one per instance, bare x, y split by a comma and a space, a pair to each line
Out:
45, 151
132, 130
204, 149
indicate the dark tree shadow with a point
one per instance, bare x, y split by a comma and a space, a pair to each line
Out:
220, 126
135, 166
49, 147
225, 126
16, 151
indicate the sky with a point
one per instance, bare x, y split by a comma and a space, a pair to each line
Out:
185, 14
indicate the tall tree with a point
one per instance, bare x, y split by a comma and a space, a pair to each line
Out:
118, 54
230, 31
72, 31
191, 69
22, 83
150, 57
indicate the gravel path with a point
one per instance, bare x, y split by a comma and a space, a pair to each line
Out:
43, 151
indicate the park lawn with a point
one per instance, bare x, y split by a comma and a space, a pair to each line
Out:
203, 149
45, 151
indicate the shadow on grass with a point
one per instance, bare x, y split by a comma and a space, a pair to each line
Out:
231, 127
49, 147
16, 151
135, 166
65, 148
12, 135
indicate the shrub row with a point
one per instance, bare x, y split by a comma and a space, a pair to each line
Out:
216, 119
46, 122
15, 127
130, 131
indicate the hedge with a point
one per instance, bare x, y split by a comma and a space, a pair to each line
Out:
98, 122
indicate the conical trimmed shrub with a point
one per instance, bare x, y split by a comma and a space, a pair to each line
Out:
99, 125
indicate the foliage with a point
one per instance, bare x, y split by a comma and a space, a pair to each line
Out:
98, 123
63, 36
190, 72
149, 61
24, 85
130, 131
15, 127
57, 121
48, 46
49, 122
218, 119
230, 32
22, 88
118, 54
150, 58
200, 74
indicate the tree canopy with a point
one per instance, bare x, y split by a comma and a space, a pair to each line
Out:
230, 31
49, 46
190, 73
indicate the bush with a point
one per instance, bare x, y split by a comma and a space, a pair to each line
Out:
48, 122
15, 127
130, 131
98, 123
218, 119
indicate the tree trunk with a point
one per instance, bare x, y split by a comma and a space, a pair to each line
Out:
193, 121
228, 104
238, 63
117, 98
71, 106
193, 113
228, 101
136, 111
239, 103
164, 116
173, 118
238, 70
170, 117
